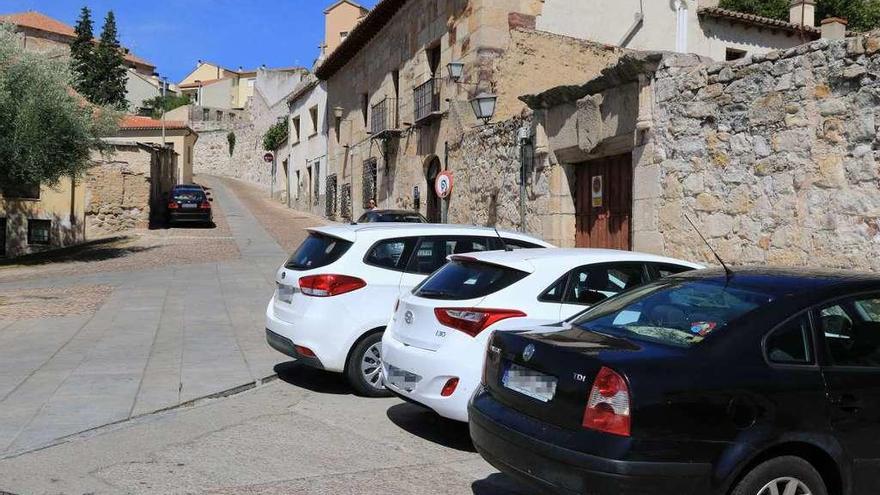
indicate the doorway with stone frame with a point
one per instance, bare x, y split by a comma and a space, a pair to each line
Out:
604, 203
433, 213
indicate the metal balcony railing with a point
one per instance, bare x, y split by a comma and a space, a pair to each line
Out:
427, 100
384, 117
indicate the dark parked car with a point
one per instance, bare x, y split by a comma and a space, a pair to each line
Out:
190, 203
763, 383
392, 216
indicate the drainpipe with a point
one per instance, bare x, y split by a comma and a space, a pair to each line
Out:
444, 203
681, 32
525, 139
637, 24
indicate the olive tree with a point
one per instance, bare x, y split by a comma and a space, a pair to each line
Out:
47, 130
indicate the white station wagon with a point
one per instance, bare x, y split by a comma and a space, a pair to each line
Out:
337, 293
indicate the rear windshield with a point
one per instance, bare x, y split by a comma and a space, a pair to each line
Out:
392, 218
458, 281
189, 195
674, 312
317, 251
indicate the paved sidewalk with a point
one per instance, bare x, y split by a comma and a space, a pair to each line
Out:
165, 336
303, 434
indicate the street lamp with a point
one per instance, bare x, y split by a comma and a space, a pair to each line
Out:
456, 70
484, 106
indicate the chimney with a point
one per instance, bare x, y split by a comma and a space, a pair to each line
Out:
834, 28
803, 13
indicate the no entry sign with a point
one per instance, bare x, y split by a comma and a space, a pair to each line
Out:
268, 157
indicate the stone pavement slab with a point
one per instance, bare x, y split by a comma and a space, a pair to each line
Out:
165, 335
277, 439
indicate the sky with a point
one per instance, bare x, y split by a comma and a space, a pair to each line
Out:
175, 34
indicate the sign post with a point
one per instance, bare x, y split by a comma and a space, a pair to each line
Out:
270, 158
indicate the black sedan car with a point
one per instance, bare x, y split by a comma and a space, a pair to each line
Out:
190, 203
763, 382
392, 216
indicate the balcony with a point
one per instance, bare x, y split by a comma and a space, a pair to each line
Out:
427, 101
383, 120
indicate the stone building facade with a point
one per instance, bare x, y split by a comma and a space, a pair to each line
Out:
397, 116
772, 156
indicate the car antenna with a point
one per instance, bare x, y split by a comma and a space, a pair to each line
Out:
503, 244
727, 271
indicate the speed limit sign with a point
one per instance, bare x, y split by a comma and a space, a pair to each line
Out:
443, 184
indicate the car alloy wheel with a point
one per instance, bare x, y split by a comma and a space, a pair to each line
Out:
785, 486
371, 366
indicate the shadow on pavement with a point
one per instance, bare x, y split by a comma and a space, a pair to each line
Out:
100, 250
427, 425
312, 379
499, 484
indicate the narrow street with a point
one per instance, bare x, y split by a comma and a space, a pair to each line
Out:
79, 394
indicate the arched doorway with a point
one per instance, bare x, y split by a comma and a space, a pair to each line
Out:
433, 201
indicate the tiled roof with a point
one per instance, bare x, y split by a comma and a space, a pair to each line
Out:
201, 83
138, 123
362, 33
42, 22
757, 20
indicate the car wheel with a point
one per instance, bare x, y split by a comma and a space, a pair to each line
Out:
784, 475
364, 367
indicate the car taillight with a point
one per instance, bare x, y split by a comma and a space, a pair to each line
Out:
490, 358
472, 321
329, 285
173, 206
206, 205
608, 408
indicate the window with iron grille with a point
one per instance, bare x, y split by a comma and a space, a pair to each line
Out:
39, 231
427, 100
371, 181
331, 196
345, 203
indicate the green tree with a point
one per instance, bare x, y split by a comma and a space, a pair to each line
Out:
776, 9
82, 53
863, 15
275, 136
110, 74
47, 131
155, 106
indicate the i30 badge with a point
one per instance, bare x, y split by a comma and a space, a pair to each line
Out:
408, 317
528, 352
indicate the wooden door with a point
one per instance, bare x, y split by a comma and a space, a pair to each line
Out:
604, 203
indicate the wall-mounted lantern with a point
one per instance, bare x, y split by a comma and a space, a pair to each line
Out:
484, 106
456, 70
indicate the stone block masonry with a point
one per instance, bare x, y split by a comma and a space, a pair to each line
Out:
774, 156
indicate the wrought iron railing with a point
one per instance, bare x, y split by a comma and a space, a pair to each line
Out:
331, 196
370, 183
345, 202
426, 99
384, 116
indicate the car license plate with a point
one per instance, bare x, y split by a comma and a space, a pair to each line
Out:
530, 383
189, 206
401, 379
285, 293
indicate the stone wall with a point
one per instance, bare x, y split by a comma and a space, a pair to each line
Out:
119, 189
773, 156
211, 152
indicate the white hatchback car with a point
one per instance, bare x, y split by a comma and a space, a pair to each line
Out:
335, 295
434, 347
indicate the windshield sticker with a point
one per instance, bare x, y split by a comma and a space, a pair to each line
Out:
703, 328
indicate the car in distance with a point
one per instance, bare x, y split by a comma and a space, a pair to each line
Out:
757, 383
335, 295
392, 216
190, 203
434, 347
